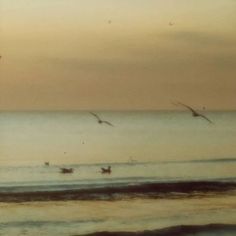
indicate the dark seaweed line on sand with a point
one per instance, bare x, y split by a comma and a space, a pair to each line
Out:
180, 230
150, 190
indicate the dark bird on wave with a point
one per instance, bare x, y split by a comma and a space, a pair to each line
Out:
67, 170
106, 170
100, 121
194, 112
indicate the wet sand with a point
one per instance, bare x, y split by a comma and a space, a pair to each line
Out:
64, 218
182, 230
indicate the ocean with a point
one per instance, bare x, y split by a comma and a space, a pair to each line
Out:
168, 169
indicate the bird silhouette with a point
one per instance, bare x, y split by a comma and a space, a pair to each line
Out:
106, 170
194, 112
100, 121
171, 23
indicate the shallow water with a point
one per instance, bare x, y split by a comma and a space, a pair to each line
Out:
38, 178
77, 217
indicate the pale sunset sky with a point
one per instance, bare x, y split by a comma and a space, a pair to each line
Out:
117, 54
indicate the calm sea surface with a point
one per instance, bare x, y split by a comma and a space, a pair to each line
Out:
31, 138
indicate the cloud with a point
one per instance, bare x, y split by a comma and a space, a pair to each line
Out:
156, 52
200, 38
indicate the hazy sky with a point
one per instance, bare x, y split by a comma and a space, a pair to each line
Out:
117, 54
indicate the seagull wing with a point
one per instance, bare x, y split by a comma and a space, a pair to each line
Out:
193, 111
98, 118
188, 107
204, 117
108, 123
103, 121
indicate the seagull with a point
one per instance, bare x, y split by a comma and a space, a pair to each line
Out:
101, 121
194, 113
106, 170
171, 23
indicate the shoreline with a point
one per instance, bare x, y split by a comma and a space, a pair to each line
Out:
180, 230
66, 218
169, 190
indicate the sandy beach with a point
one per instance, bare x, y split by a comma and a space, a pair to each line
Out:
136, 215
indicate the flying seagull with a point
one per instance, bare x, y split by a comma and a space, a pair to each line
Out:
194, 113
100, 121
171, 23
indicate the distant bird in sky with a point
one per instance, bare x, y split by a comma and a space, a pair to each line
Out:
100, 121
194, 113
171, 23
109, 22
